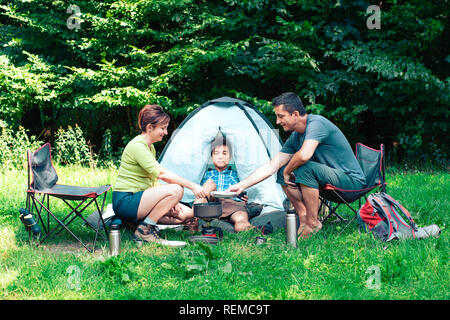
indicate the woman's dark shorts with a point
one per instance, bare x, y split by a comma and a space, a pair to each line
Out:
126, 204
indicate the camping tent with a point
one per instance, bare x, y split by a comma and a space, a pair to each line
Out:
252, 137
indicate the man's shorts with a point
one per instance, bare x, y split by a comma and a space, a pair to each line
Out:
316, 175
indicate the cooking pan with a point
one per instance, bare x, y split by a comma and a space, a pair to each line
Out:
209, 210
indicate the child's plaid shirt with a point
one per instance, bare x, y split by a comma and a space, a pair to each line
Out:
223, 180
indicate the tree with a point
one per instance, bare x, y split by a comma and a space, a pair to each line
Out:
385, 85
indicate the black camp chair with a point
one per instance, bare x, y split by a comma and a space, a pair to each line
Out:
373, 167
44, 182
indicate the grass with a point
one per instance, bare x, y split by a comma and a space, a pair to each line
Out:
323, 267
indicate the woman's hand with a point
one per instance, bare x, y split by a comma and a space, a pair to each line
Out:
175, 211
199, 191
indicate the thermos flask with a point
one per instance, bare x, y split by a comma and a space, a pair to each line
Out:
114, 240
291, 229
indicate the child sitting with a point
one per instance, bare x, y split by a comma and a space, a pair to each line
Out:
219, 179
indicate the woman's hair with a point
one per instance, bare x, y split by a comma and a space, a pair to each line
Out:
152, 114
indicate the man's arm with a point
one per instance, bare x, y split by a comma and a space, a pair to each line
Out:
262, 172
299, 158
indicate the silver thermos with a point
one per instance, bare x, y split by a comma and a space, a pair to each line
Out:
291, 229
114, 240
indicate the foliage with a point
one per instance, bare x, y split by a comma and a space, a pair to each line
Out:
107, 157
14, 145
71, 147
387, 85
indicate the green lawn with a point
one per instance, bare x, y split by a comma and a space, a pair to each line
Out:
323, 267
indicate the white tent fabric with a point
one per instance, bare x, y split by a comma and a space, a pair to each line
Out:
188, 151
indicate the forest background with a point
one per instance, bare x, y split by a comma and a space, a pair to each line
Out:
76, 73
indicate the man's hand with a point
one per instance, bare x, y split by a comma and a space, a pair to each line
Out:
289, 179
235, 188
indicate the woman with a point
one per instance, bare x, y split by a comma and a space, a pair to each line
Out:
137, 196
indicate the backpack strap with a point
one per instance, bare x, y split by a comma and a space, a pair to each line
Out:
383, 209
403, 209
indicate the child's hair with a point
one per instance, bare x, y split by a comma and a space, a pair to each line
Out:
152, 114
220, 141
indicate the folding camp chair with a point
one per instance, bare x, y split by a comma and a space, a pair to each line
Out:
373, 167
44, 182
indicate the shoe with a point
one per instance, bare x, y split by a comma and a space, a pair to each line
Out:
147, 233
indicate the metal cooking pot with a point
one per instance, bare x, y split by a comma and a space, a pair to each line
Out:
208, 210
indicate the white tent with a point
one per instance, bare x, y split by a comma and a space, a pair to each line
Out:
252, 137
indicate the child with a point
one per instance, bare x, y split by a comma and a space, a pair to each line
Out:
219, 179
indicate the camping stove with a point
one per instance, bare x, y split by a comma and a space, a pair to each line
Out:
208, 212
210, 231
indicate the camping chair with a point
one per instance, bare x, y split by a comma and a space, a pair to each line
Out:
373, 167
44, 182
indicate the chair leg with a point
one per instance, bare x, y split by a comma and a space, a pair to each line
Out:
33, 206
74, 211
332, 212
48, 217
78, 213
348, 224
100, 219
61, 224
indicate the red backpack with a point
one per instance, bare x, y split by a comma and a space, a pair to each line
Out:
386, 218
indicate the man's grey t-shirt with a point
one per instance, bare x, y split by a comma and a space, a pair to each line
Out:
333, 150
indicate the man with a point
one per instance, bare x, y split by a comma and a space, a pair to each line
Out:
220, 178
315, 154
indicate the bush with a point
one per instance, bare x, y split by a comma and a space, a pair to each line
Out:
71, 147
14, 146
107, 157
